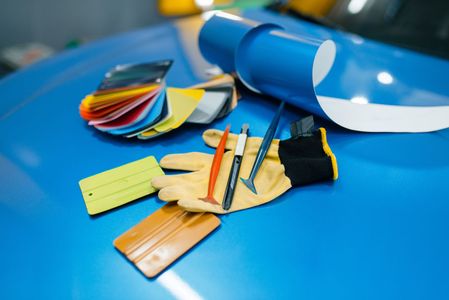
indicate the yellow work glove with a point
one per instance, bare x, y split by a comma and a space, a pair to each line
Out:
271, 180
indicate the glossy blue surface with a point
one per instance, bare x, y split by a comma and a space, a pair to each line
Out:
379, 232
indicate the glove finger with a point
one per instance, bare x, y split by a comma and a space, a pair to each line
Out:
166, 180
196, 205
193, 189
192, 161
212, 138
172, 193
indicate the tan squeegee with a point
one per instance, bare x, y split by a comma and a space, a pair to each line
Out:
157, 241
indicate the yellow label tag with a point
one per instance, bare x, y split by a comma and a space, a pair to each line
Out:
120, 185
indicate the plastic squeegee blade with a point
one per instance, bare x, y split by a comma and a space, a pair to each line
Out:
120, 185
161, 238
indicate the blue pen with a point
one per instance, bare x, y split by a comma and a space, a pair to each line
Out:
266, 142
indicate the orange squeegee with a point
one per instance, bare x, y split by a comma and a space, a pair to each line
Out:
161, 238
216, 163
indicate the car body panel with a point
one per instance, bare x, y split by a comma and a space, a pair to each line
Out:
379, 232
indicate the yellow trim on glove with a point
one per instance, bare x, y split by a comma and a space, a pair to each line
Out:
328, 152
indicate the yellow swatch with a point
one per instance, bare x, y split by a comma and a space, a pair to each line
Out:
183, 102
120, 185
91, 101
149, 133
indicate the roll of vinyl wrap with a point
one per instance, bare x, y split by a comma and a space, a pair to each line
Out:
271, 61
220, 37
267, 59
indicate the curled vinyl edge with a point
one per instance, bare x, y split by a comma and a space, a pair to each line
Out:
384, 118
369, 117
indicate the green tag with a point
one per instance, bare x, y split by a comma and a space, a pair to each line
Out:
120, 185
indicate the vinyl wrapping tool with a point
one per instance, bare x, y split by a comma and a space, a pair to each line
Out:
164, 236
118, 186
215, 168
235, 169
265, 145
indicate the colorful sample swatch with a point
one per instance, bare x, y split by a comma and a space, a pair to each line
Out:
209, 107
123, 76
183, 103
133, 101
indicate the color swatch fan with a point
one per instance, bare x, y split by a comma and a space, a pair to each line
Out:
133, 101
